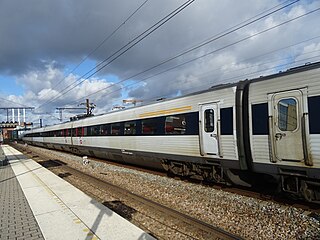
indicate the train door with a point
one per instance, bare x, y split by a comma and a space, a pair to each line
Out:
287, 126
208, 129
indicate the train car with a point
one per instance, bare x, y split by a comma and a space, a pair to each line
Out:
284, 129
189, 135
259, 129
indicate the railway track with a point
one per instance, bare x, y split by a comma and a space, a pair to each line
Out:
263, 193
176, 223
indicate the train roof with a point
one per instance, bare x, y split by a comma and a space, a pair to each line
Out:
302, 68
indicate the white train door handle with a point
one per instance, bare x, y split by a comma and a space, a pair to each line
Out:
213, 135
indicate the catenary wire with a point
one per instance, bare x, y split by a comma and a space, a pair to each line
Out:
246, 23
204, 55
103, 41
126, 47
13, 102
214, 38
228, 80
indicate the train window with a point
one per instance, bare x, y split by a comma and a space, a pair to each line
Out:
175, 124
149, 126
79, 132
94, 130
260, 125
115, 129
104, 130
209, 120
73, 132
85, 131
130, 128
314, 114
287, 114
226, 120
89, 131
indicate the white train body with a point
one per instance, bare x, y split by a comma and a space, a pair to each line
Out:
236, 132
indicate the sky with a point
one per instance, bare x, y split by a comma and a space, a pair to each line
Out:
56, 54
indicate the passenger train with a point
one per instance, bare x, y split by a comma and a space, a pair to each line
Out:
263, 129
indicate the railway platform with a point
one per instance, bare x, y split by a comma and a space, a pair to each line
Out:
37, 204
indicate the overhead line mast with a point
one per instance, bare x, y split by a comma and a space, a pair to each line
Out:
89, 108
18, 113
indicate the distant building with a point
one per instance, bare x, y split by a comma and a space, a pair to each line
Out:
10, 131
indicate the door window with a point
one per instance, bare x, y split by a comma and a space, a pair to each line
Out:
287, 114
209, 120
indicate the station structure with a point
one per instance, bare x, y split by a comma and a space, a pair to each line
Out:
11, 128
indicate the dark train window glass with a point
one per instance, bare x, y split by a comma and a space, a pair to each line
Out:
72, 132
130, 128
314, 114
226, 120
104, 130
58, 133
149, 126
175, 124
95, 130
79, 132
193, 123
115, 129
209, 120
85, 131
287, 114
88, 131
260, 125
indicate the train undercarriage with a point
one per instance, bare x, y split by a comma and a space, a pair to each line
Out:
295, 186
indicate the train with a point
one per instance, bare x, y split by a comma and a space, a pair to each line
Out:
265, 129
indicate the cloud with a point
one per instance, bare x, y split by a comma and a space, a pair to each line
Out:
39, 92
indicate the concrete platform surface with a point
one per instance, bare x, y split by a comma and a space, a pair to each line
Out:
63, 211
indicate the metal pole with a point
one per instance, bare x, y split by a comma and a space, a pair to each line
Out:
60, 112
18, 116
87, 106
13, 115
24, 115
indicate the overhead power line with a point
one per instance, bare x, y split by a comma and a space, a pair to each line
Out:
125, 48
204, 55
12, 102
104, 41
214, 38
